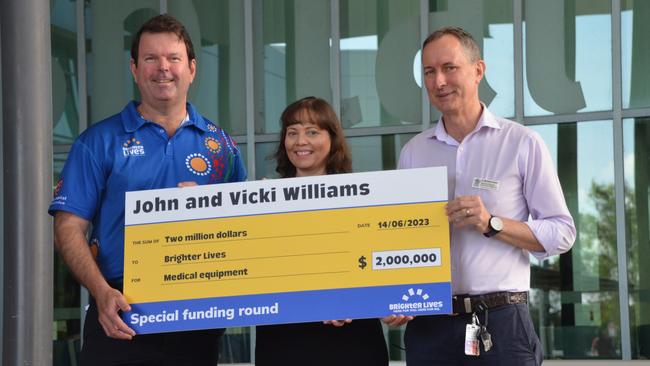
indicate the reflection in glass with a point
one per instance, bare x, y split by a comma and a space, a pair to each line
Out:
111, 26
265, 161
218, 91
67, 313
66, 291
64, 72
379, 40
635, 53
292, 56
374, 153
235, 346
498, 53
574, 297
567, 56
491, 24
636, 134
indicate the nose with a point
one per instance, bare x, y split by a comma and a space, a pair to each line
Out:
439, 80
163, 64
301, 139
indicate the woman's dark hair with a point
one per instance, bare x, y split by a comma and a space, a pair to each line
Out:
322, 115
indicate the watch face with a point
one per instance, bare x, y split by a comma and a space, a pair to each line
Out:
496, 223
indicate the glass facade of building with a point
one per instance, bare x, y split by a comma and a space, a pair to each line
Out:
576, 71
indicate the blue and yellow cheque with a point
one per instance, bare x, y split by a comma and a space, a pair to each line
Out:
360, 245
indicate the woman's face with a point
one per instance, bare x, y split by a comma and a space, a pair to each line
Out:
307, 146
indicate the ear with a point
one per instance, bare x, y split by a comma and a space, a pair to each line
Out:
133, 69
192, 70
480, 71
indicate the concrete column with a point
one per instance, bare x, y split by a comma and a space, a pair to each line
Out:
27, 153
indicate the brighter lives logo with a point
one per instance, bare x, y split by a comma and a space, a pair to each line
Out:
415, 301
132, 147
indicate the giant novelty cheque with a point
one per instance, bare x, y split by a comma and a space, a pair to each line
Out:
360, 245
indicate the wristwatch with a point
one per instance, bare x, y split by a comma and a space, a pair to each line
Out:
495, 225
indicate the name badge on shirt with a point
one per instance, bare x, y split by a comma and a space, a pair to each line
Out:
482, 183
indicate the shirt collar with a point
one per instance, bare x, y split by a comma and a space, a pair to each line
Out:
487, 120
132, 120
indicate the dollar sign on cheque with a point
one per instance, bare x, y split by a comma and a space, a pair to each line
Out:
362, 262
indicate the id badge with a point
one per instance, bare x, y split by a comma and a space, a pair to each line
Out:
471, 340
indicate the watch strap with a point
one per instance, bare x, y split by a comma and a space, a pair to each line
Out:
492, 231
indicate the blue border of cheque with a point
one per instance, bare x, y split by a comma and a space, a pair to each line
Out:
290, 307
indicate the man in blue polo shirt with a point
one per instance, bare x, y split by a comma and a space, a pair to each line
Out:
160, 142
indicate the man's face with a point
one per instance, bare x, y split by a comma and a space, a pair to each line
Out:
450, 77
163, 72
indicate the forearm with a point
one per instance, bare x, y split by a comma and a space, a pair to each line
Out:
70, 241
469, 211
518, 234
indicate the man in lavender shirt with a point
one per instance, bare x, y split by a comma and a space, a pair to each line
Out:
505, 203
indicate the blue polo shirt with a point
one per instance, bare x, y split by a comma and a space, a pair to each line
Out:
124, 153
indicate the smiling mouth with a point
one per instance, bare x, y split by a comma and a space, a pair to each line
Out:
303, 153
163, 81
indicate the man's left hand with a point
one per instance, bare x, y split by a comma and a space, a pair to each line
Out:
468, 211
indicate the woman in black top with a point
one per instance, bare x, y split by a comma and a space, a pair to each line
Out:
312, 143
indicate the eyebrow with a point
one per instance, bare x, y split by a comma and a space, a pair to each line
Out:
157, 54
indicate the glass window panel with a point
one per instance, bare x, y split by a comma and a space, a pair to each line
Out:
379, 42
67, 311
217, 31
373, 153
110, 28
64, 72
491, 25
636, 134
244, 155
264, 161
235, 346
567, 56
65, 99
574, 297
292, 40
635, 53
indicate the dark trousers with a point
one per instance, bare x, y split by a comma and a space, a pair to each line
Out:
440, 340
195, 348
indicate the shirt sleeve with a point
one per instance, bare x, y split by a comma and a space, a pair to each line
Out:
80, 185
404, 161
550, 220
238, 167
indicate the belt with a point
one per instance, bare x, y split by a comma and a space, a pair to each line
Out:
479, 303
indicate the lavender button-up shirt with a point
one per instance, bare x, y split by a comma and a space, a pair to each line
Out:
510, 168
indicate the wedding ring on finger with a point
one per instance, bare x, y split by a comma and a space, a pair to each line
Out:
468, 212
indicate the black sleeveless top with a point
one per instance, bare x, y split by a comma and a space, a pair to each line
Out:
358, 343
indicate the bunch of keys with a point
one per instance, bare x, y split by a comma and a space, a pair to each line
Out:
473, 332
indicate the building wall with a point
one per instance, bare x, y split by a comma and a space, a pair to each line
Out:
576, 71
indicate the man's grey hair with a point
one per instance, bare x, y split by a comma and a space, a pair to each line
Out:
465, 38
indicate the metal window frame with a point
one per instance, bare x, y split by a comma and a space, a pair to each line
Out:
619, 182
